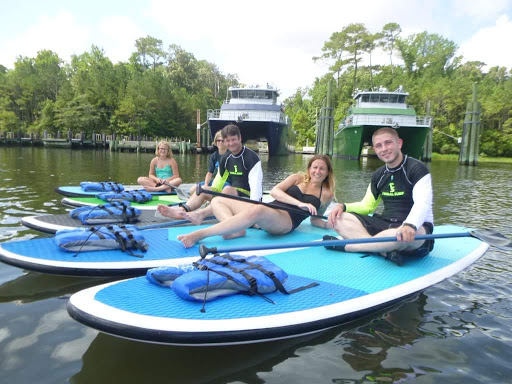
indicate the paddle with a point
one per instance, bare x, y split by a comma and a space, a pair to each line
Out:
172, 223
183, 190
200, 190
486, 235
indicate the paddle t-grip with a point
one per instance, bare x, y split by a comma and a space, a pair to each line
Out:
199, 189
204, 250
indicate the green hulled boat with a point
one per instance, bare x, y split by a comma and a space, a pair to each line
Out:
375, 109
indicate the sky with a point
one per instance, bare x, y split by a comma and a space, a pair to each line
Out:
264, 42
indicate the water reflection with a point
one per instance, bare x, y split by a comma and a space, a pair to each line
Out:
456, 331
35, 286
110, 359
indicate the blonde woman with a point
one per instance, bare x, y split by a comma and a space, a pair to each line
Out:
163, 171
213, 162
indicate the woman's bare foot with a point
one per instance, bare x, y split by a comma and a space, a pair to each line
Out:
189, 240
172, 212
234, 235
196, 217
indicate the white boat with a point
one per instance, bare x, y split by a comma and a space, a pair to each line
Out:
257, 113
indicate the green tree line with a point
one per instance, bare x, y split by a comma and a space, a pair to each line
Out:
156, 93
430, 70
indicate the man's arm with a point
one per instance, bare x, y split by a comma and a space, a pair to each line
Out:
363, 207
422, 196
256, 182
368, 205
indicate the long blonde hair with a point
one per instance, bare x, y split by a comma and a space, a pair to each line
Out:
329, 180
169, 150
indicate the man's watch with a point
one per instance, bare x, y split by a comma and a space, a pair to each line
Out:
410, 225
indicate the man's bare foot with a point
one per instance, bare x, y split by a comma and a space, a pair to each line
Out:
196, 217
189, 240
172, 212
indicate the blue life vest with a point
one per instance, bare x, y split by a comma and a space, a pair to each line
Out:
115, 212
106, 186
138, 196
220, 276
124, 237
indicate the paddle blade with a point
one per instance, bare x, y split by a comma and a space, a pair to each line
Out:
183, 191
493, 238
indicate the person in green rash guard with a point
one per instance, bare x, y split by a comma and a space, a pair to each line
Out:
240, 167
404, 185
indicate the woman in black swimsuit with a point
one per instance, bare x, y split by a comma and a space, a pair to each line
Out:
312, 192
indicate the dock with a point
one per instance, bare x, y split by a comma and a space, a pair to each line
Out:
112, 142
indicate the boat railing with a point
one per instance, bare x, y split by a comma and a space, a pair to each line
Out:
393, 121
247, 115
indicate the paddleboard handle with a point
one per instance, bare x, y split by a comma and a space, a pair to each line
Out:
204, 250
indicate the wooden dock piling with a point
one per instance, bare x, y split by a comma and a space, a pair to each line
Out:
471, 132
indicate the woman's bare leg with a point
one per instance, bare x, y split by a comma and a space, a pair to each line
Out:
271, 220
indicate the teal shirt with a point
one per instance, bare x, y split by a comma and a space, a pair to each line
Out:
163, 173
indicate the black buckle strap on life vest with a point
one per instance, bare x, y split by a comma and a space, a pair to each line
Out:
145, 199
127, 213
113, 185
93, 231
143, 247
252, 280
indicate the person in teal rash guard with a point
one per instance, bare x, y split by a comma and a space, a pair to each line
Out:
404, 185
163, 171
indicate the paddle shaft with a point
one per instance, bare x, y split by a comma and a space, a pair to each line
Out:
171, 223
200, 190
203, 250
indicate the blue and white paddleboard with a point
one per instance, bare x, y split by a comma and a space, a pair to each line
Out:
53, 223
43, 255
77, 191
350, 286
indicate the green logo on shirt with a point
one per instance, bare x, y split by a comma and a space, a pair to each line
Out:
235, 172
392, 191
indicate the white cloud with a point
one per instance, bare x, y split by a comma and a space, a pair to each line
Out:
487, 44
117, 35
59, 33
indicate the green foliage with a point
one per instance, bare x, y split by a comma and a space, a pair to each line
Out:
302, 127
433, 75
156, 93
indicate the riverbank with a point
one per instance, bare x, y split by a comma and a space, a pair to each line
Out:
481, 159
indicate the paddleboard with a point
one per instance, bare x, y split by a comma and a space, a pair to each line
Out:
53, 223
43, 255
77, 191
350, 286
149, 205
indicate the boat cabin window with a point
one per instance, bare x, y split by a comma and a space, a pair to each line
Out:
247, 93
382, 98
253, 94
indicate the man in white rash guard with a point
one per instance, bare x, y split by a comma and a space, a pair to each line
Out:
404, 185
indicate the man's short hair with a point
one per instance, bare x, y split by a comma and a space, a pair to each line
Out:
230, 130
382, 130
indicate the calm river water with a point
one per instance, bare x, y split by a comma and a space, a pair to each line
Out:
458, 331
